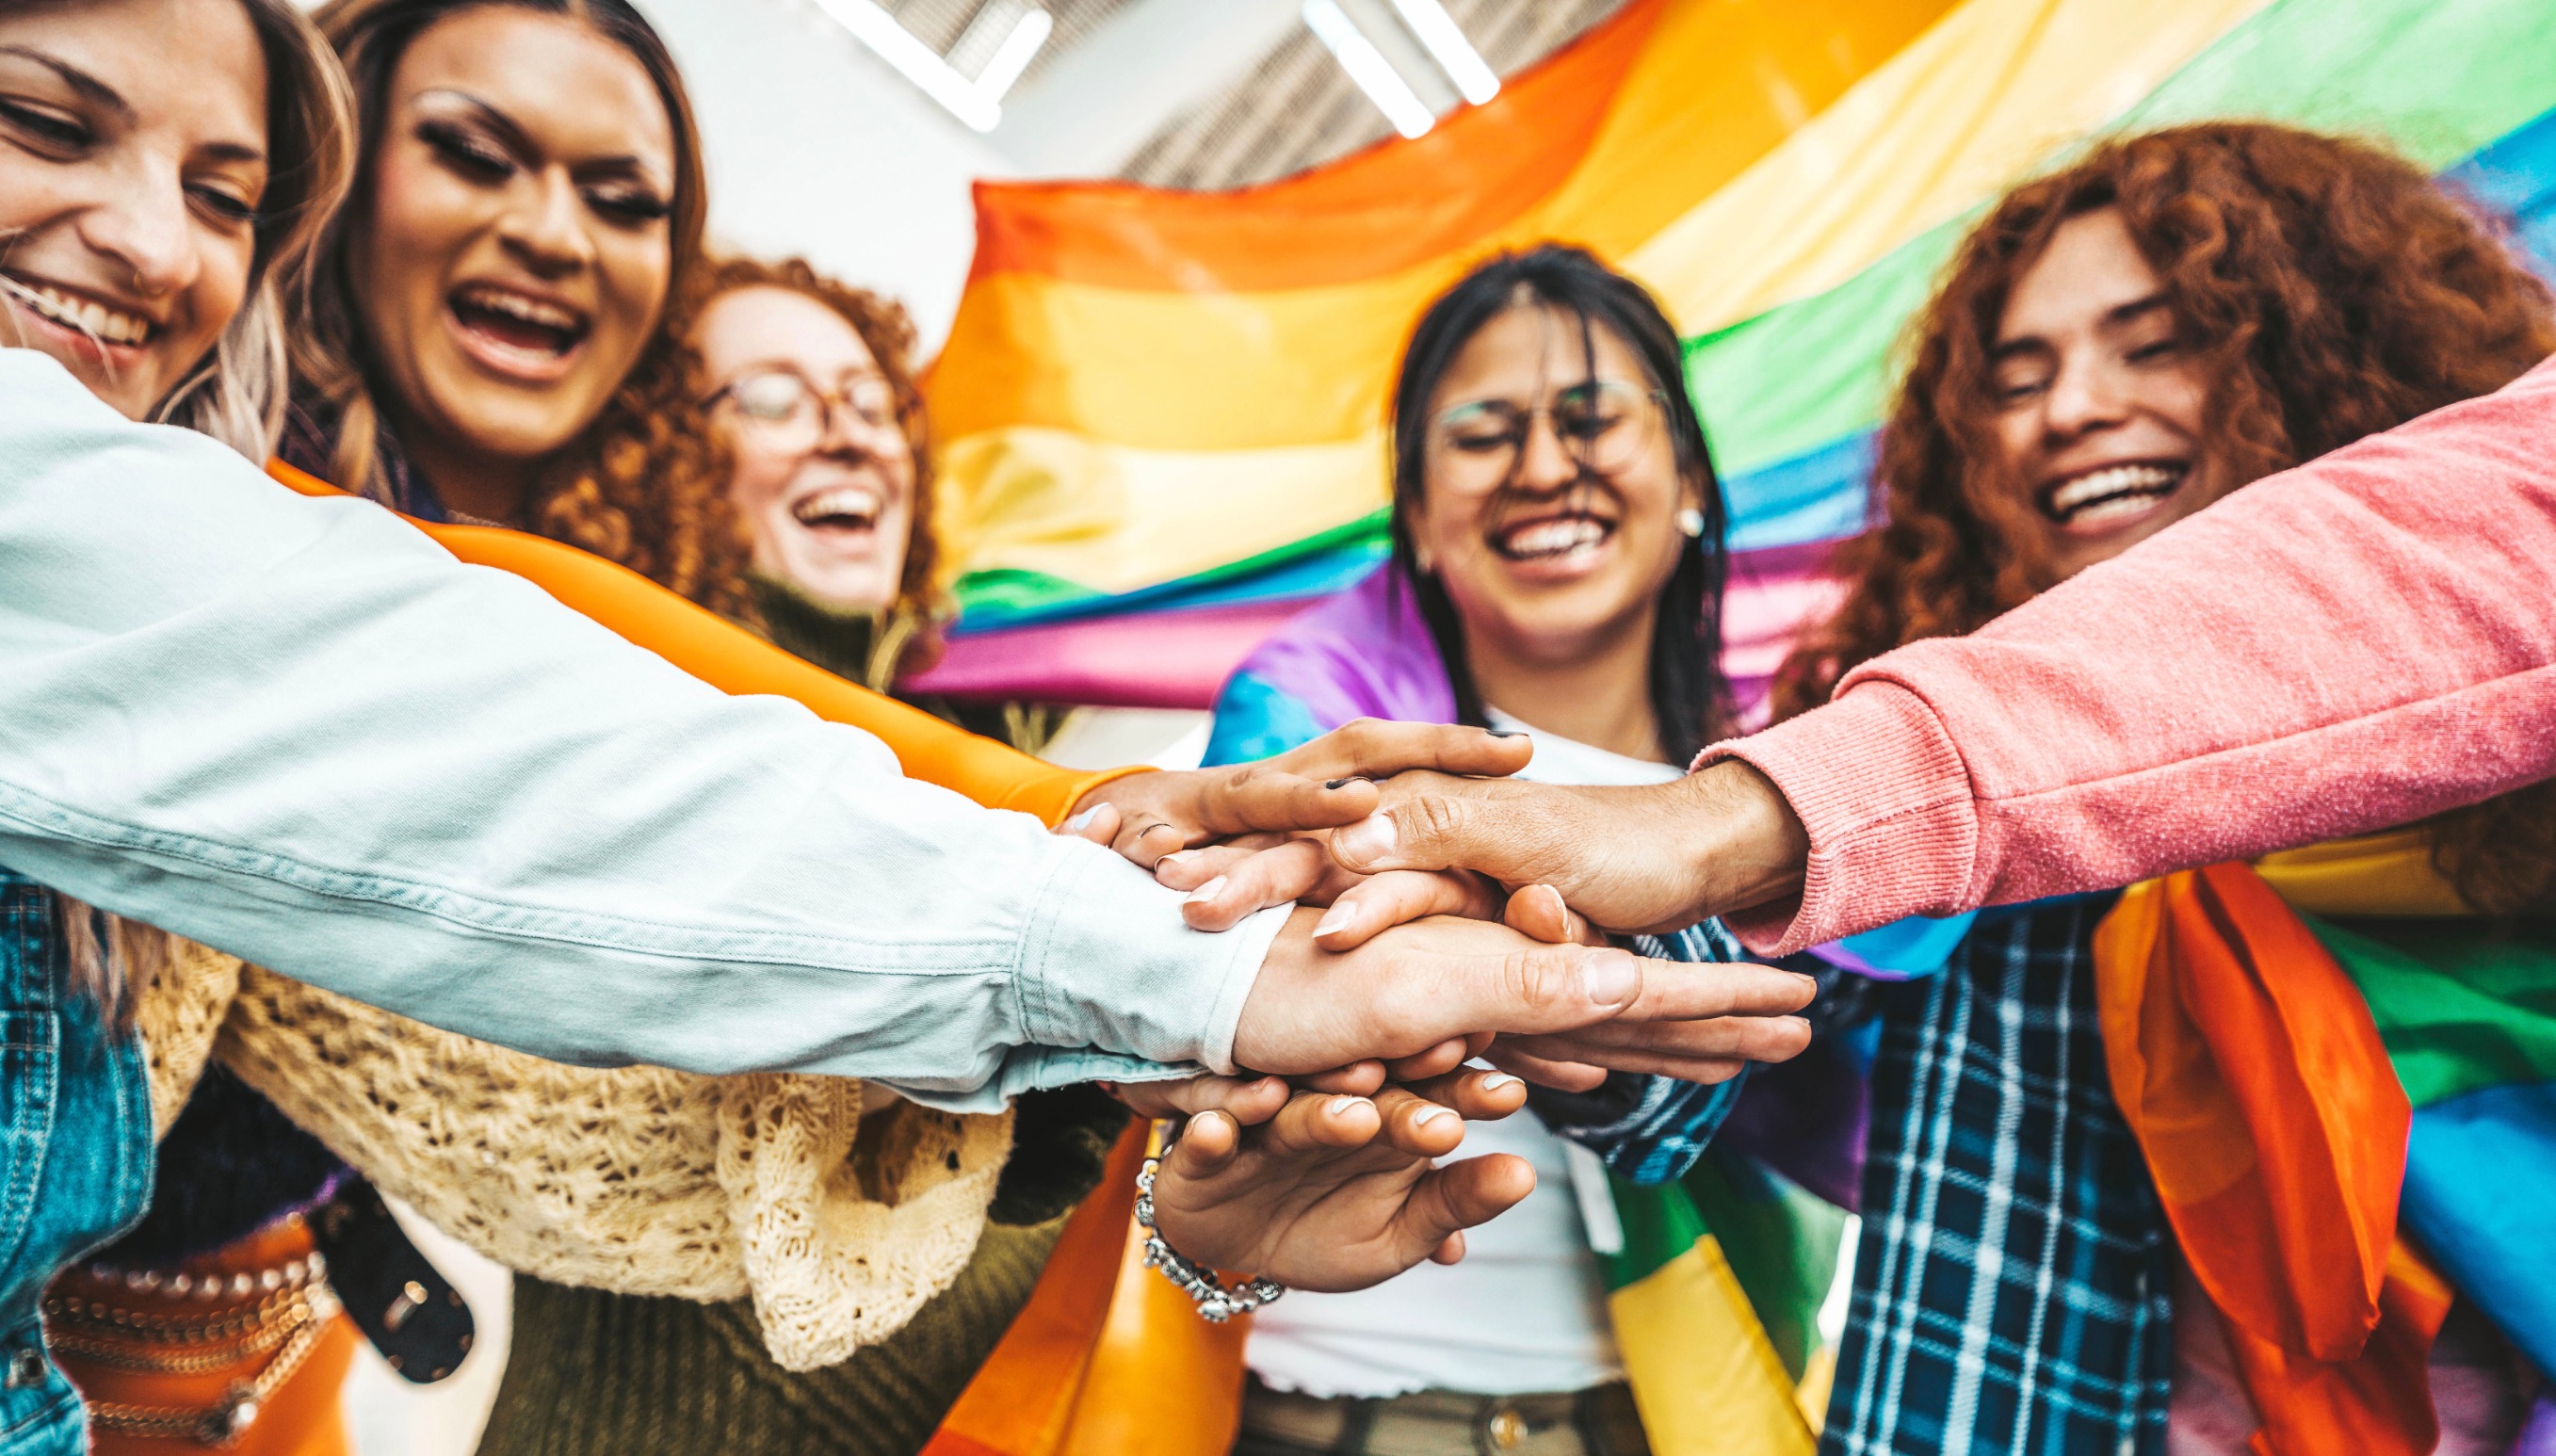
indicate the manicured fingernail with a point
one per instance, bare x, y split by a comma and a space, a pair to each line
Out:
1342, 1107
1173, 857
1371, 838
1506, 733
1333, 921
1080, 822
1427, 1115
1207, 891
1609, 978
1499, 1081
1341, 783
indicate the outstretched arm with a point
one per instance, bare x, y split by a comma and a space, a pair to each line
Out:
301, 731
2361, 641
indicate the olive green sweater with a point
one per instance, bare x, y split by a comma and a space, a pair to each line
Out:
592, 1373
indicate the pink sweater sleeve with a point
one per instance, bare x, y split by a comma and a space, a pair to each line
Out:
2354, 643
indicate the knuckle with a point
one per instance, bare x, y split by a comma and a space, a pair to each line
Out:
1430, 819
1361, 735
1535, 977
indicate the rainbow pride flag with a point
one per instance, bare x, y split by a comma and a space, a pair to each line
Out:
1164, 410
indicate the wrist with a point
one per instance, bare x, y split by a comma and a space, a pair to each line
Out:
1739, 841
1093, 789
1216, 1300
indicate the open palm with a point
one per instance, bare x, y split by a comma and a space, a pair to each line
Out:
1335, 1192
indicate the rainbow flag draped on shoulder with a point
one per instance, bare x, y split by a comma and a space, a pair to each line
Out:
2345, 1083
1164, 410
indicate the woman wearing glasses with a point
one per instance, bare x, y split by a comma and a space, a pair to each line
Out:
1556, 570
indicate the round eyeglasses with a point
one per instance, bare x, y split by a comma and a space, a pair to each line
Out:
792, 412
1604, 425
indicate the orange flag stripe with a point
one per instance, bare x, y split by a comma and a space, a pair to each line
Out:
2248, 1065
1022, 1398
1396, 205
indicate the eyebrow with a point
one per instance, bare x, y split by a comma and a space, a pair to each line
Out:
515, 139
1585, 382
2113, 318
96, 91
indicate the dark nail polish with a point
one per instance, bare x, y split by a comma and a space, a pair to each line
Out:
1504, 733
1341, 783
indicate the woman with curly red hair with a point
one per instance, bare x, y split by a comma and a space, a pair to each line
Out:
2117, 346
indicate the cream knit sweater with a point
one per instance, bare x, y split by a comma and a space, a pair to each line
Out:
638, 1181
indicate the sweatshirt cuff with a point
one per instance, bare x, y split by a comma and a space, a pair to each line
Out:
1110, 966
1882, 792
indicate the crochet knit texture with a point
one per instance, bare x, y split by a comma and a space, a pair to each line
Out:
637, 1179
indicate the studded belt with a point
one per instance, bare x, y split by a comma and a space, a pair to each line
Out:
242, 1327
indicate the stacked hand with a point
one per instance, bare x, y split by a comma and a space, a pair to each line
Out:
1328, 1191
1327, 1180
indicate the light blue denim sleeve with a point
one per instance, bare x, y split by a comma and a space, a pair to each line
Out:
301, 731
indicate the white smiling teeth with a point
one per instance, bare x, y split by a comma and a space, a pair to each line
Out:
2096, 485
92, 317
517, 306
1553, 537
842, 500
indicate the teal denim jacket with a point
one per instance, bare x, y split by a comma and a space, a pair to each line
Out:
299, 732
74, 1156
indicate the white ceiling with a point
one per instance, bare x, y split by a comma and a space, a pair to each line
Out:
818, 147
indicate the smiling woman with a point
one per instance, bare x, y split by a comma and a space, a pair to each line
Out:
1557, 570
163, 299
160, 161
480, 318
2117, 346
485, 331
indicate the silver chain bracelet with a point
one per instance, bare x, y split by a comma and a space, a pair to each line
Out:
1217, 1302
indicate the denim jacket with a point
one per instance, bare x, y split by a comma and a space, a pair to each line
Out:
299, 732
74, 1156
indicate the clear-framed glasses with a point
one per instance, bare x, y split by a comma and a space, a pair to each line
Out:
1605, 425
792, 412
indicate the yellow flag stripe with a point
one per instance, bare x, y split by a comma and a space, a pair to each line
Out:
1704, 1375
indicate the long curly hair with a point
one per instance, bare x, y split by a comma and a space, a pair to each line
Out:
630, 486
888, 333
663, 458
2328, 289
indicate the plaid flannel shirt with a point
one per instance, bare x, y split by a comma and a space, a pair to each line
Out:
1650, 1129
2013, 1285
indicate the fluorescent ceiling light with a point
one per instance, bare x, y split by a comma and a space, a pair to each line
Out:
1013, 57
977, 102
1447, 45
1368, 66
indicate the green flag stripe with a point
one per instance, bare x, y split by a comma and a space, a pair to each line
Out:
2462, 1004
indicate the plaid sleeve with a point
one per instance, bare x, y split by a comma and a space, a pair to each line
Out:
1649, 1130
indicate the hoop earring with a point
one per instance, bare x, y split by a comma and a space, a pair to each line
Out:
1689, 522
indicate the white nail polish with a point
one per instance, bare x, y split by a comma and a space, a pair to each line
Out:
1080, 822
1499, 1081
1207, 891
1427, 1115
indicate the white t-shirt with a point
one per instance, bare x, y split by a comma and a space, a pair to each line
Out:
1526, 1311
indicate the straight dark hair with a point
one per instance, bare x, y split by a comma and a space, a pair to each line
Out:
1690, 700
